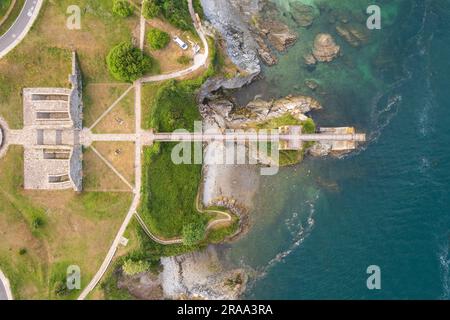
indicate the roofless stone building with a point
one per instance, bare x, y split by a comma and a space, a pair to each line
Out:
52, 125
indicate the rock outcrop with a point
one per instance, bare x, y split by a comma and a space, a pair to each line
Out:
325, 48
353, 34
227, 115
277, 33
145, 286
312, 84
227, 19
309, 59
320, 149
249, 28
201, 275
303, 14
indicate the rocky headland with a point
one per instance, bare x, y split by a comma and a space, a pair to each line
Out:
201, 275
253, 34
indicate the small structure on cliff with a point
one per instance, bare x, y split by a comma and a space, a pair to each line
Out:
340, 146
52, 122
290, 144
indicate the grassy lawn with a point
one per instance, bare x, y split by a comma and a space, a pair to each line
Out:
43, 58
119, 120
139, 247
4, 6
167, 57
149, 92
120, 155
170, 190
44, 232
77, 229
99, 97
98, 177
169, 193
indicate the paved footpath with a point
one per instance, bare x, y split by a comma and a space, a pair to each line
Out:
21, 26
140, 139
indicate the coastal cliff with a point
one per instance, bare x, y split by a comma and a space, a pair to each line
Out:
251, 30
253, 34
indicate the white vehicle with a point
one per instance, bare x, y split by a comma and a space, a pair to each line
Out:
181, 43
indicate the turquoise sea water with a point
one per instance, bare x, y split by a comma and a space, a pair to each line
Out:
319, 225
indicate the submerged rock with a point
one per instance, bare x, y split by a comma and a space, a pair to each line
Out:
325, 48
353, 34
312, 84
278, 34
309, 59
265, 53
320, 149
302, 14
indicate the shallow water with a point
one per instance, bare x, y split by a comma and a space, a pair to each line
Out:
319, 225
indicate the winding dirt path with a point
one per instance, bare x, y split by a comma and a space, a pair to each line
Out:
200, 61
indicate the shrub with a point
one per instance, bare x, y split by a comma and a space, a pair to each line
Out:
122, 8
158, 39
127, 63
61, 289
151, 9
309, 126
177, 13
193, 233
23, 251
37, 223
131, 268
184, 60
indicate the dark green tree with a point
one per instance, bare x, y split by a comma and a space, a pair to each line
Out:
127, 63
157, 39
151, 9
193, 233
122, 8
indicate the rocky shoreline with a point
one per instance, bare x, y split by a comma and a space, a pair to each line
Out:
253, 35
251, 30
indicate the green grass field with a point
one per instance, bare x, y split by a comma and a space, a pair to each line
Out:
43, 57
44, 232
170, 190
73, 229
4, 6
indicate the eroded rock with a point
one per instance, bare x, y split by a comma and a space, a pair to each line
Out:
325, 48
279, 35
303, 14
201, 275
225, 112
353, 34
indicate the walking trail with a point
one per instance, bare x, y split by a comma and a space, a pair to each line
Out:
140, 140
